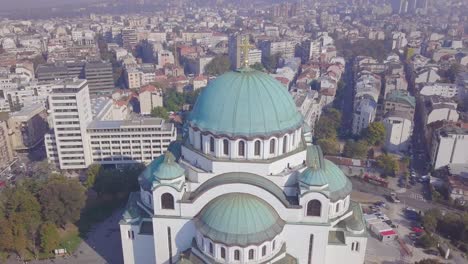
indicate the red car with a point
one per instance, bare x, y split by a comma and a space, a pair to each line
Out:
2, 184
417, 230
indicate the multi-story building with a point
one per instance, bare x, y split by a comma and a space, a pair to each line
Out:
6, 152
129, 141
447, 90
286, 48
149, 97
364, 114
309, 104
449, 146
77, 140
70, 110
398, 130
100, 77
400, 101
28, 127
248, 187
129, 38
436, 108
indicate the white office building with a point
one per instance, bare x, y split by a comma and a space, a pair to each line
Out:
398, 130
70, 112
77, 140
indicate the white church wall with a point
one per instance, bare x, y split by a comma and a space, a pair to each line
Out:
182, 232
298, 238
287, 214
347, 253
137, 248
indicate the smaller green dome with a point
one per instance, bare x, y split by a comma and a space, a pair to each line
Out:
321, 172
163, 168
239, 219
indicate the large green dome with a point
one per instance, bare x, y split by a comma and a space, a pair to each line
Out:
245, 102
322, 172
239, 219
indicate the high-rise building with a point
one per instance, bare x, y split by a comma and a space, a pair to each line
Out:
70, 110
76, 140
100, 77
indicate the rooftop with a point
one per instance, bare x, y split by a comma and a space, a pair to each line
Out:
120, 124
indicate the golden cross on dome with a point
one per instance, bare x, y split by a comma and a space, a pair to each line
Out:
245, 47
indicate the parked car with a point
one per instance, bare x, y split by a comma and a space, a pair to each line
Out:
432, 252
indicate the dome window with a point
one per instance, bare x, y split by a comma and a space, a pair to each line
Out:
272, 146
237, 255
264, 249
313, 208
257, 148
223, 253
225, 147
212, 144
241, 150
211, 249
285, 144
167, 201
251, 254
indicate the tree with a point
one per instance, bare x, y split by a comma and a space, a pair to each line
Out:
62, 200
161, 112
427, 241
6, 233
330, 146
387, 164
49, 237
430, 219
91, 174
374, 134
218, 66
355, 149
328, 125
258, 66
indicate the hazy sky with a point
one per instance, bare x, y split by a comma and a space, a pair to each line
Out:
9, 4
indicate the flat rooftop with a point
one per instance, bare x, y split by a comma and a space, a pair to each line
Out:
140, 122
28, 112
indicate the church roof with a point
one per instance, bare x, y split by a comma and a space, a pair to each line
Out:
164, 167
321, 172
247, 103
239, 219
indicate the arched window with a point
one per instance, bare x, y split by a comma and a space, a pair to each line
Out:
251, 254
167, 201
236, 254
273, 245
314, 208
211, 249
285, 144
257, 148
201, 142
272, 146
212, 144
241, 150
337, 207
225, 147
223, 253
263, 251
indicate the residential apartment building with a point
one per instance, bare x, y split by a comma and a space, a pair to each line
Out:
447, 90
364, 114
285, 48
401, 101
449, 146
28, 127
129, 38
235, 52
150, 97
398, 130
